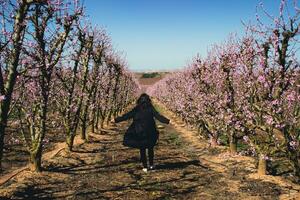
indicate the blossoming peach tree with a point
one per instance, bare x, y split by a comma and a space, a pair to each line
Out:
48, 30
14, 16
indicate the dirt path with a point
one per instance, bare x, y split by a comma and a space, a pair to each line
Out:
46, 156
104, 169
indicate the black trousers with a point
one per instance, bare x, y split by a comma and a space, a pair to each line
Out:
144, 157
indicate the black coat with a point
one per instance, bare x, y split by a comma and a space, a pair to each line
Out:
144, 123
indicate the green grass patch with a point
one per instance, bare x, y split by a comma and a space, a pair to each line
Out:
240, 145
150, 75
174, 138
158, 108
223, 140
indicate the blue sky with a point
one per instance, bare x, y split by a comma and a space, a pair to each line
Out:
166, 34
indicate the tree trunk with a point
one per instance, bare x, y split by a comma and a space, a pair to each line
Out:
17, 39
2, 131
70, 141
97, 119
84, 123
233, 145
83, 131
295, 162
297, 168
35, 160
262, 166
93, 125
93, 122
109, 117
36, 153
3, 123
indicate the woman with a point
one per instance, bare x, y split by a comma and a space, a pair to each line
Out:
143, 130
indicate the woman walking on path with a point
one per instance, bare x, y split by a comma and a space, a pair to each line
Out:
142, 133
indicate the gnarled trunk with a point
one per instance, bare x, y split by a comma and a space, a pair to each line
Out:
7, 88
36, 160
83, 131
262, 165
70, 141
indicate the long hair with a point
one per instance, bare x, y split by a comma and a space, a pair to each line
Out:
144, 101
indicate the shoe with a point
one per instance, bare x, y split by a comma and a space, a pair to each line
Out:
145, 170
151, 167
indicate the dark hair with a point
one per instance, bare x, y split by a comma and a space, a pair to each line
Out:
144, 101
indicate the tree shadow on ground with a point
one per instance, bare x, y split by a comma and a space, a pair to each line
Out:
179, 165
83, 151
33, 192
44, 188
86, 168
117, 174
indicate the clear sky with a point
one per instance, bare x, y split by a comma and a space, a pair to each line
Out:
166, 34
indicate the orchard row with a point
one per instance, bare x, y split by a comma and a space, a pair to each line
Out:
247, 90
57, 72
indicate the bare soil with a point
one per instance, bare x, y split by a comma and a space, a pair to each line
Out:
147, 82
186, 168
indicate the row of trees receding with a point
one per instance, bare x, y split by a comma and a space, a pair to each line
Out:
247, 89
57, 72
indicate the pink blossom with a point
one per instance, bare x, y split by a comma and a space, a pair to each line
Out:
265, 157
269, 120
294, 144
2, 98
246, 138
274, 102
261, 79
291, 96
